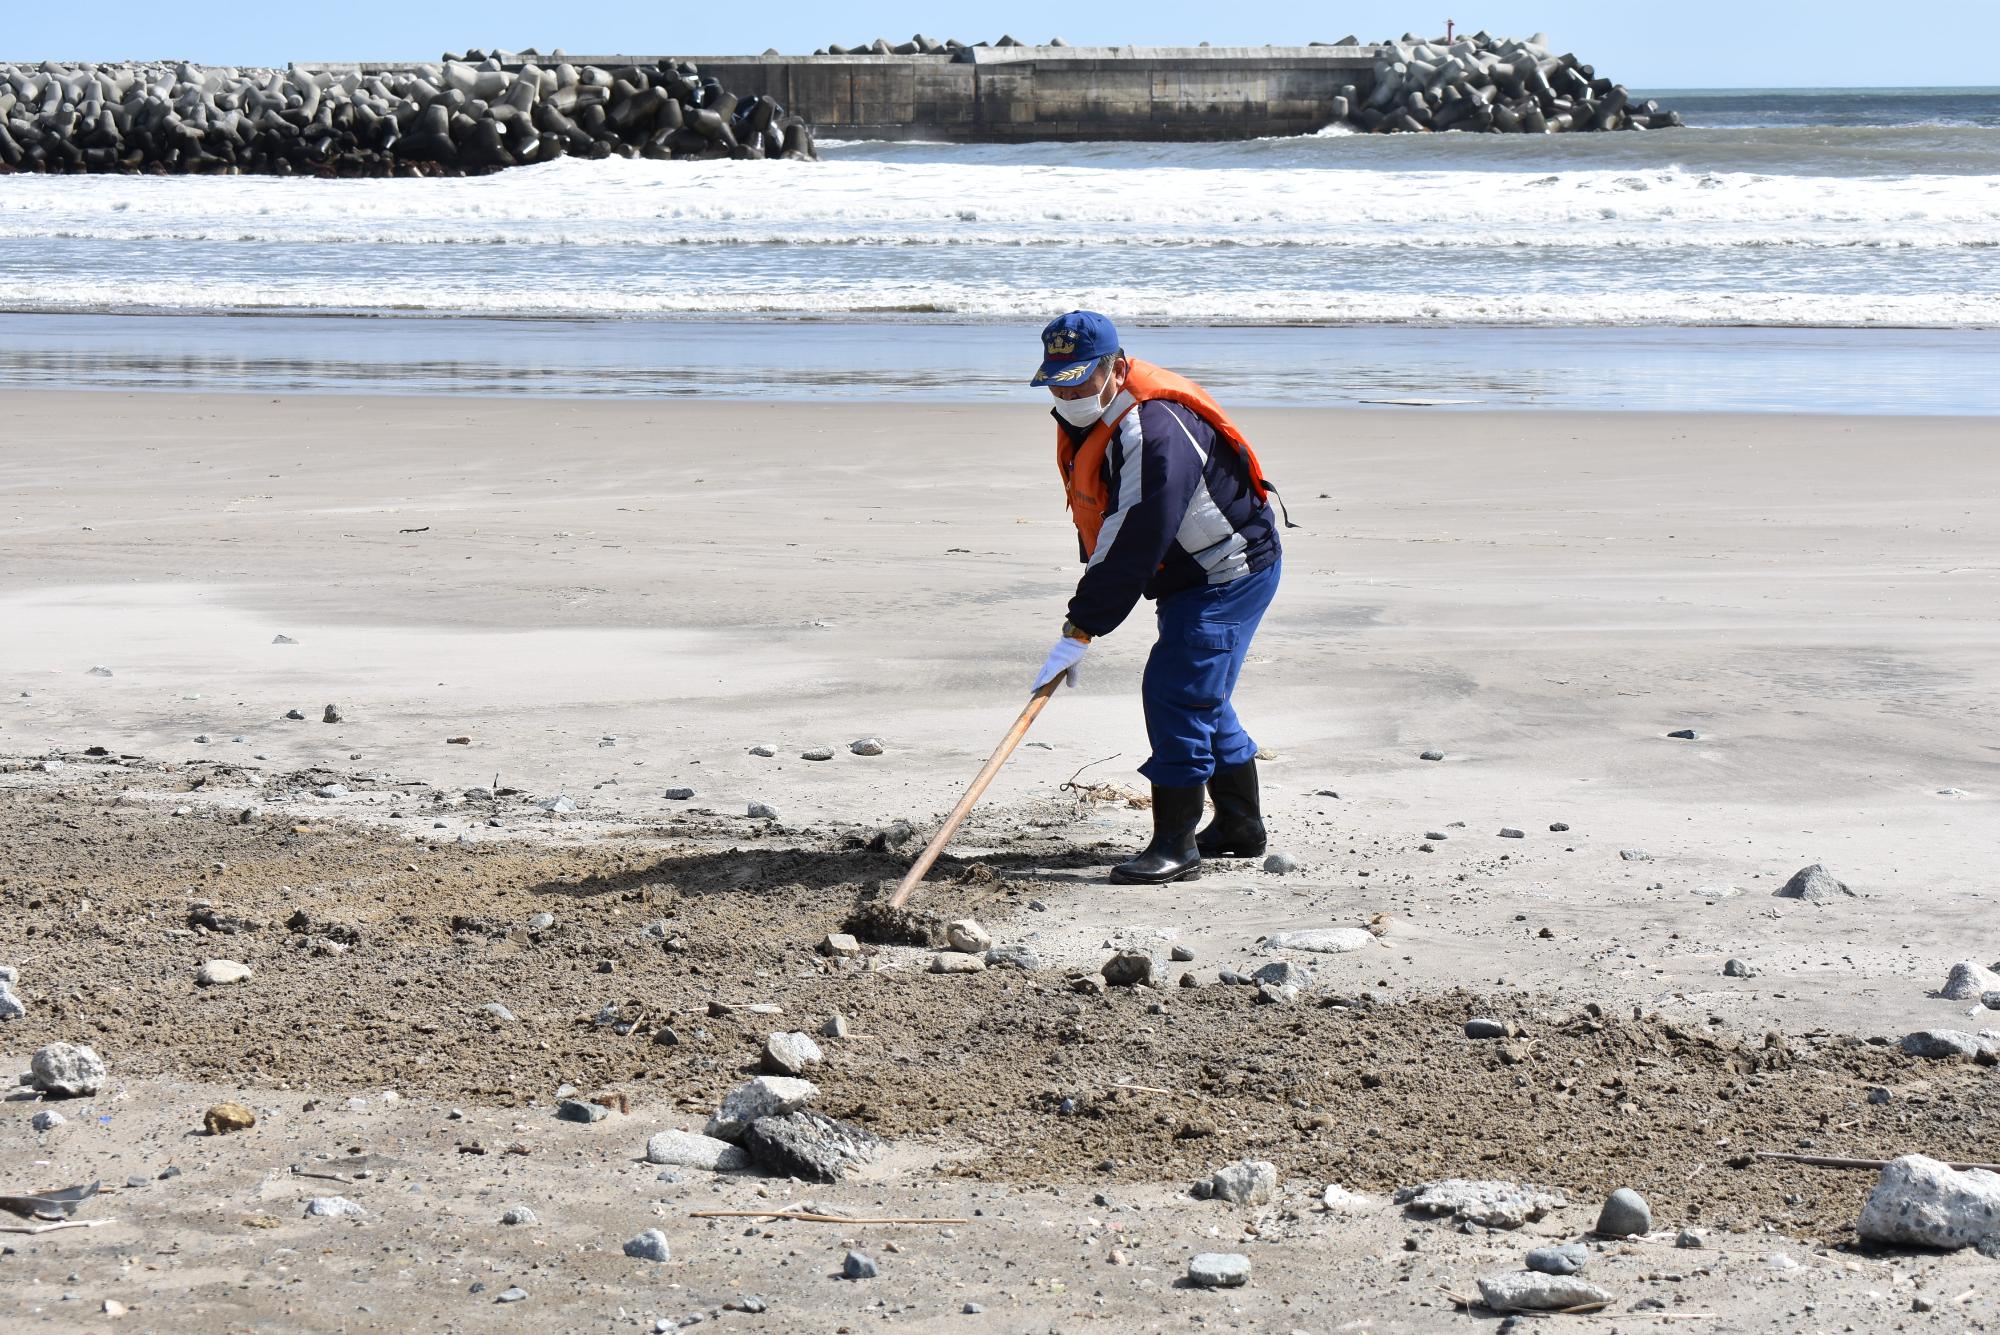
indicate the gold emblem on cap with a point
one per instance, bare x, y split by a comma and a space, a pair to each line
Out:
1061, 343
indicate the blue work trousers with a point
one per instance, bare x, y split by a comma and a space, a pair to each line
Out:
1204, 636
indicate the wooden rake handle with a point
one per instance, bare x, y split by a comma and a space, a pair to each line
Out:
921, 867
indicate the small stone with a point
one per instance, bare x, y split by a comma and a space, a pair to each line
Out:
222, 973
1283, 973
333, 1207
1485, 1028
1625, 1215
226, 1117
558, 805
47, 1120
295, 715
1281, 864
1219, 1270
1489, 1204
968, 937
685, 1149
836, 1026
1321, 940
1878, 1095
1565, 1259
867, 746
100, 671
1735, 968
519, 1214
1277, 994
498, 1012
1635, 855
1921, 1202
1527, 1291
1249, 1182
956, 963
1969, 981
1815, 885
1684, 734
1180, 955
1559, 827
839, 945
541, 922
283, 639
859, 1265
766, 1096
330, 791
11, 1006
1990, 1000
1089, 984
9, 976
1189, 981
511, 1295
759, 811
1509, 832
649, 1246
678, 794
1013, 957
764, 749
809, 1145
1128, 968
1691, 1239
1431, 755
67, 1070
330, 715
791, 1054
817, 753
581, 1110
201, 739
971, 1309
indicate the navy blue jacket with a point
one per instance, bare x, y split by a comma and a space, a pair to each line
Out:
1182, 514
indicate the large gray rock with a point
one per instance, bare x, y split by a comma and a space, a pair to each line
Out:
809, 1145
685, 1149
1942, 1044
1969, 981
1815, 885
67, 1070
1321, 940
1625, 1215
1251, 1182
1921, 1202
766, 1096
1486, 1203
1528, 1291
1219, 1270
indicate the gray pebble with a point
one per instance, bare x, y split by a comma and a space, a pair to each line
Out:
331, 714
1635, 855
519, 1214
1219, 1270
541, 922
296, 715
333, 1207
858, 1265
1692, 1239
11, 1006
1566, 1259
1180, 955
47, 1120
678, 794
1684, 734
1280, 864
1483, 1028
817, 753
1625, 1215
649, 1246
1509, 832
1435, 836
759, 811
1128, 968
581, 1110
1878, 1095
763, 750
1431, 755
511, 1295
1559, 827
1738, 969
867, 746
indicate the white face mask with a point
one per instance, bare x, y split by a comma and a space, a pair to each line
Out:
1086, 412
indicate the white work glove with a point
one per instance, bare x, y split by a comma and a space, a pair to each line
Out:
1062, 661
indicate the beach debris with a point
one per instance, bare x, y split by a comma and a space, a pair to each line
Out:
649, 1246
226, 1117
1625, 1215
791, 1054
1219, 1270
968, 937
1815, 885
1249, 1182
1923, 1203
1560, 1259
59, 1204
67, 1070
685, 1149
1529, 1291
222, 973
1487, 1203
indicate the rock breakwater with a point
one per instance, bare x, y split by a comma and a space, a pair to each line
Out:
453, 117
1495, 85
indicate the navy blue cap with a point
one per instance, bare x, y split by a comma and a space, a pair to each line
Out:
1073, 345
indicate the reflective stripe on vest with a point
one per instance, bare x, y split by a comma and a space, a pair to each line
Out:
1082, 466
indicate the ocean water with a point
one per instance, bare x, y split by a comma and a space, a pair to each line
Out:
1814, 209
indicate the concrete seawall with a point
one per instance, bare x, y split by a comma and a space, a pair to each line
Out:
1015, 94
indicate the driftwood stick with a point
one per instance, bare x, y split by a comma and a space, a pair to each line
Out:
1833, 1161
808, 1217
50, 1228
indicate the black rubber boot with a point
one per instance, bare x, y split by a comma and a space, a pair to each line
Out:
1172, 855
1238, 828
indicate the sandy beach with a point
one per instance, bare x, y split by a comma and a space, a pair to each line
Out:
613, 600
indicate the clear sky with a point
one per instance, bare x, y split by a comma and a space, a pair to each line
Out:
1648, 43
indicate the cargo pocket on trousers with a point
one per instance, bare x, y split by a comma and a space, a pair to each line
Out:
1202, 679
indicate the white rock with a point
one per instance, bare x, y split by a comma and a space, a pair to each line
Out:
956, 963
791, 1054
48, 1119
1530, 1291
69, 1070
1487, 1203
11, 1007
649, 1246
760, 811
222, 973
969, 937
1339, 1200
685, 1149
1250, 1182
559, 804
1321, 940
1921, 1202
1969, 981
519, 1214
766, 1096
333, 1207
840, 945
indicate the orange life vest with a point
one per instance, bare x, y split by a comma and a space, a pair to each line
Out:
1082, 466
